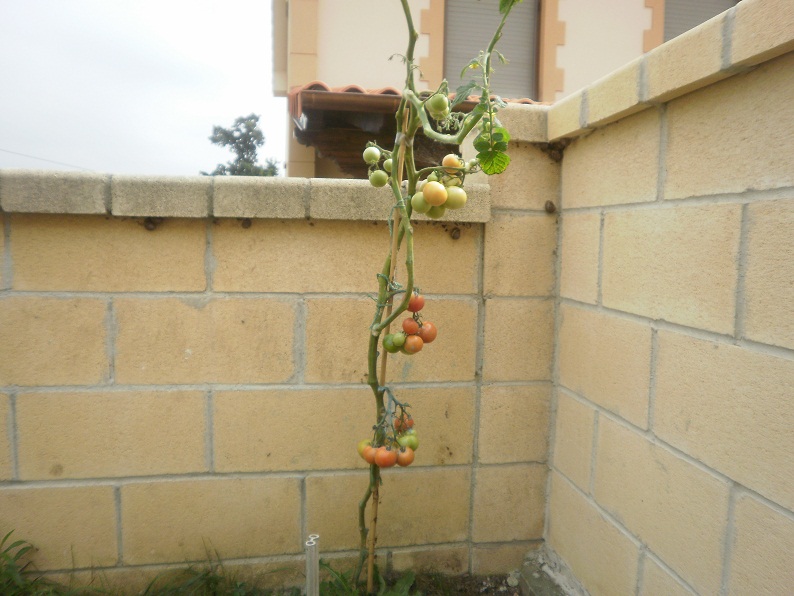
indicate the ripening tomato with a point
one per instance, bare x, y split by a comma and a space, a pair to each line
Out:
416, 303
385, 457
436, 212
403, 424
419, 204
369, 454
456, 198
428, 332
435, 194
362, 445
410, 327
451, 162
413, 344
405, 456
409, 439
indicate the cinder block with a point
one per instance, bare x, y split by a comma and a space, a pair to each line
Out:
690, 61
564, 117
656, 580
607, 360
451, 560
677, 509
6, 460
488, 559
411, 511
339, 198
769, 274
526, 123
69, 526
616, 164
579, 267
442, 265
97, 435
762, 30
456, 320
514, 423
48, 191
236, 517
518, 340
531, 179
4, 282
519, 255
741, 130
573, 440
509, 503
298, 256
600, 555
230, 340
51, 341
677, 264
252, 427
740, 422
101, 254
271, 197
161, 196
615, 96
762, 557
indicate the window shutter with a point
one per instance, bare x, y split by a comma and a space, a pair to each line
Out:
682, 15
469, 25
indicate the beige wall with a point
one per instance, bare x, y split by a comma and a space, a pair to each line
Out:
673, 440
173, 378
201, 383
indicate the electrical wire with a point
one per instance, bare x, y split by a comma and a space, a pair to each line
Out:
60, 163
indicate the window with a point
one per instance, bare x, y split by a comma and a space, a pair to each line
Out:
469, 25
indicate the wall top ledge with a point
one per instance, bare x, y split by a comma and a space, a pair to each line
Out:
752, 32
54, 192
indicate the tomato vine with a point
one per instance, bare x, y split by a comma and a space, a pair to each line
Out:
431, 191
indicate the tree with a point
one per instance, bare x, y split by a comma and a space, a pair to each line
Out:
244, 139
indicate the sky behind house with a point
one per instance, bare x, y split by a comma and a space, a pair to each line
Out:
133, 86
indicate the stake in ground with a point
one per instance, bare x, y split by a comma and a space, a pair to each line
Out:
431, 191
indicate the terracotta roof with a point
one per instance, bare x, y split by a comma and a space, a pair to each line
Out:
353, 98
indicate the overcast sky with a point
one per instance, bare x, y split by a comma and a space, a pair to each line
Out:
133, 86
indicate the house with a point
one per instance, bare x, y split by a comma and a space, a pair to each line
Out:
324, 48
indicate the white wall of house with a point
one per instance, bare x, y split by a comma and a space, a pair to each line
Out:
600, 36
355, 39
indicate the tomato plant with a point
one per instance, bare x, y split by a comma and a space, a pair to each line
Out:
431, 191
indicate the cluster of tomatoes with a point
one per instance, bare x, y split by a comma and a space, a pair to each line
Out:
415, 334
442, 190
400, 448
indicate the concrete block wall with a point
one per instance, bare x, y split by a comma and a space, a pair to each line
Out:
182, 366
672, 459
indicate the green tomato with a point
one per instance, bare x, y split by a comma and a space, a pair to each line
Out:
409, 439
387, 165
388, 344
433, 177
371, 155
419, 204
436, 212
378, 178
398, 339
456, 197
438, 103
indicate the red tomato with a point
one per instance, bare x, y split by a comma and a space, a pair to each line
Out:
403, 424
428, 332
416, 303
385, 457
405, 456
410, 327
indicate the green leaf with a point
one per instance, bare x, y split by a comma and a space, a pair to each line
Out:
462, 92
493, 162
506, 5
500, 134
482, 143
500, 146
